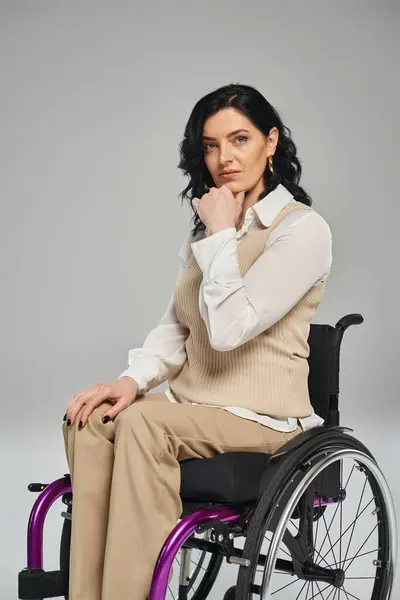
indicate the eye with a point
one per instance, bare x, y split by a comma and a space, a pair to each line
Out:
210, 145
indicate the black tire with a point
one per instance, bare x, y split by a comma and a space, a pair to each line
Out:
230, 594
267, 509
209, 577
65, 546
203, 589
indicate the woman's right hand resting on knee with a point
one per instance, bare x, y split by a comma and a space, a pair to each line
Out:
121, 393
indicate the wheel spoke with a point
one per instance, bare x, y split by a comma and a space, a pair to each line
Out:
198, 564
286, 586
343, 590
363, 510
280, 548
348, 594
362, 545
354, 557
337, 507
354, 522
319, 589
331, 592
322, 558
319, 518
330, 541
307, 590
298, 595
341, 517
312, 588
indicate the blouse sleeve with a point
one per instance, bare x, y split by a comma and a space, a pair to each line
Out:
235, 309
163, 352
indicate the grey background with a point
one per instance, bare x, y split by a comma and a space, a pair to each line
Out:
94, 98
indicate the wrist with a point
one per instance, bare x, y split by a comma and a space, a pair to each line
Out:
131, 379
216, 228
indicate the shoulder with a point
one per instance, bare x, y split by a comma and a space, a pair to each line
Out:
307, 234
303, 221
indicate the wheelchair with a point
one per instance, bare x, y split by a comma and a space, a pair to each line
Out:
314, 520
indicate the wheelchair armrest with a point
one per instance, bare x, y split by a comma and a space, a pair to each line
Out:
294, 443
303, 438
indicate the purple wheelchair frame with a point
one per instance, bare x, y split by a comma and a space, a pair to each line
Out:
182, 531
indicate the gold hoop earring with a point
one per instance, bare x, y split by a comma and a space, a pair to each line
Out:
206, 187
271, 168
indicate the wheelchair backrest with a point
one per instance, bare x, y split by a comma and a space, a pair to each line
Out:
324, 370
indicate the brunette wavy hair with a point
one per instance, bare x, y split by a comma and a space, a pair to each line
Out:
250, 102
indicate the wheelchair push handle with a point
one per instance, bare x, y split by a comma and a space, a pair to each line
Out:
336, 339
348, 320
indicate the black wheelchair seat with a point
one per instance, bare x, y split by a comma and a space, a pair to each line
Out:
233, 477
238, 477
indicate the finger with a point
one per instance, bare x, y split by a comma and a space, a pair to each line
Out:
111, 413
226, 192
89, 408
77, 396
240, 197
74, 409
82, 398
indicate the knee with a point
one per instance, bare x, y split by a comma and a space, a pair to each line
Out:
94, 422
138, 421
95, 418
129, 418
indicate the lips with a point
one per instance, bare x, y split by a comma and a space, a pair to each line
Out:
231, 172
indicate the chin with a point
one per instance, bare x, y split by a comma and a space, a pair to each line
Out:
234, 186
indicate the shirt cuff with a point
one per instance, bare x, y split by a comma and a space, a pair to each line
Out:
141, 380
207, 249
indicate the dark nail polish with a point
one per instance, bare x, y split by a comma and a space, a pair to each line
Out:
80, 425
65, 417
69, 422
105, 419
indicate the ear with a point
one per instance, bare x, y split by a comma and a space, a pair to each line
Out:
272, 140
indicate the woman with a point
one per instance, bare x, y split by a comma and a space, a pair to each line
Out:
232, 345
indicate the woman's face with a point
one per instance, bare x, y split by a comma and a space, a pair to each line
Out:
232, 142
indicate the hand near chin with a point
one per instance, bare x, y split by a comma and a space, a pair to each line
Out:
219, 208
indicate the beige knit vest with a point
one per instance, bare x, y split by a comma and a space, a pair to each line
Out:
269, 373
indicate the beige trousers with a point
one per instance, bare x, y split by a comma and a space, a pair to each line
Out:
126, 481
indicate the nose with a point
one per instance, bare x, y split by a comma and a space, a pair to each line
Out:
225, 154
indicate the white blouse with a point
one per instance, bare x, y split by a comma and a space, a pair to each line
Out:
235, 309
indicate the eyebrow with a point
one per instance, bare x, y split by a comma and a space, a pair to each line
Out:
207, 137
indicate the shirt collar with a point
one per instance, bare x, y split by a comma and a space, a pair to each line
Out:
271, 205
266, 209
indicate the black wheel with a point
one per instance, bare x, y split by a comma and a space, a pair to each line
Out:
230, 594
65, 546
201, 578
202, 574
346, 551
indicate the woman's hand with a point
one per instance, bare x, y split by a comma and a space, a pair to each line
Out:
121, 393
219, 208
